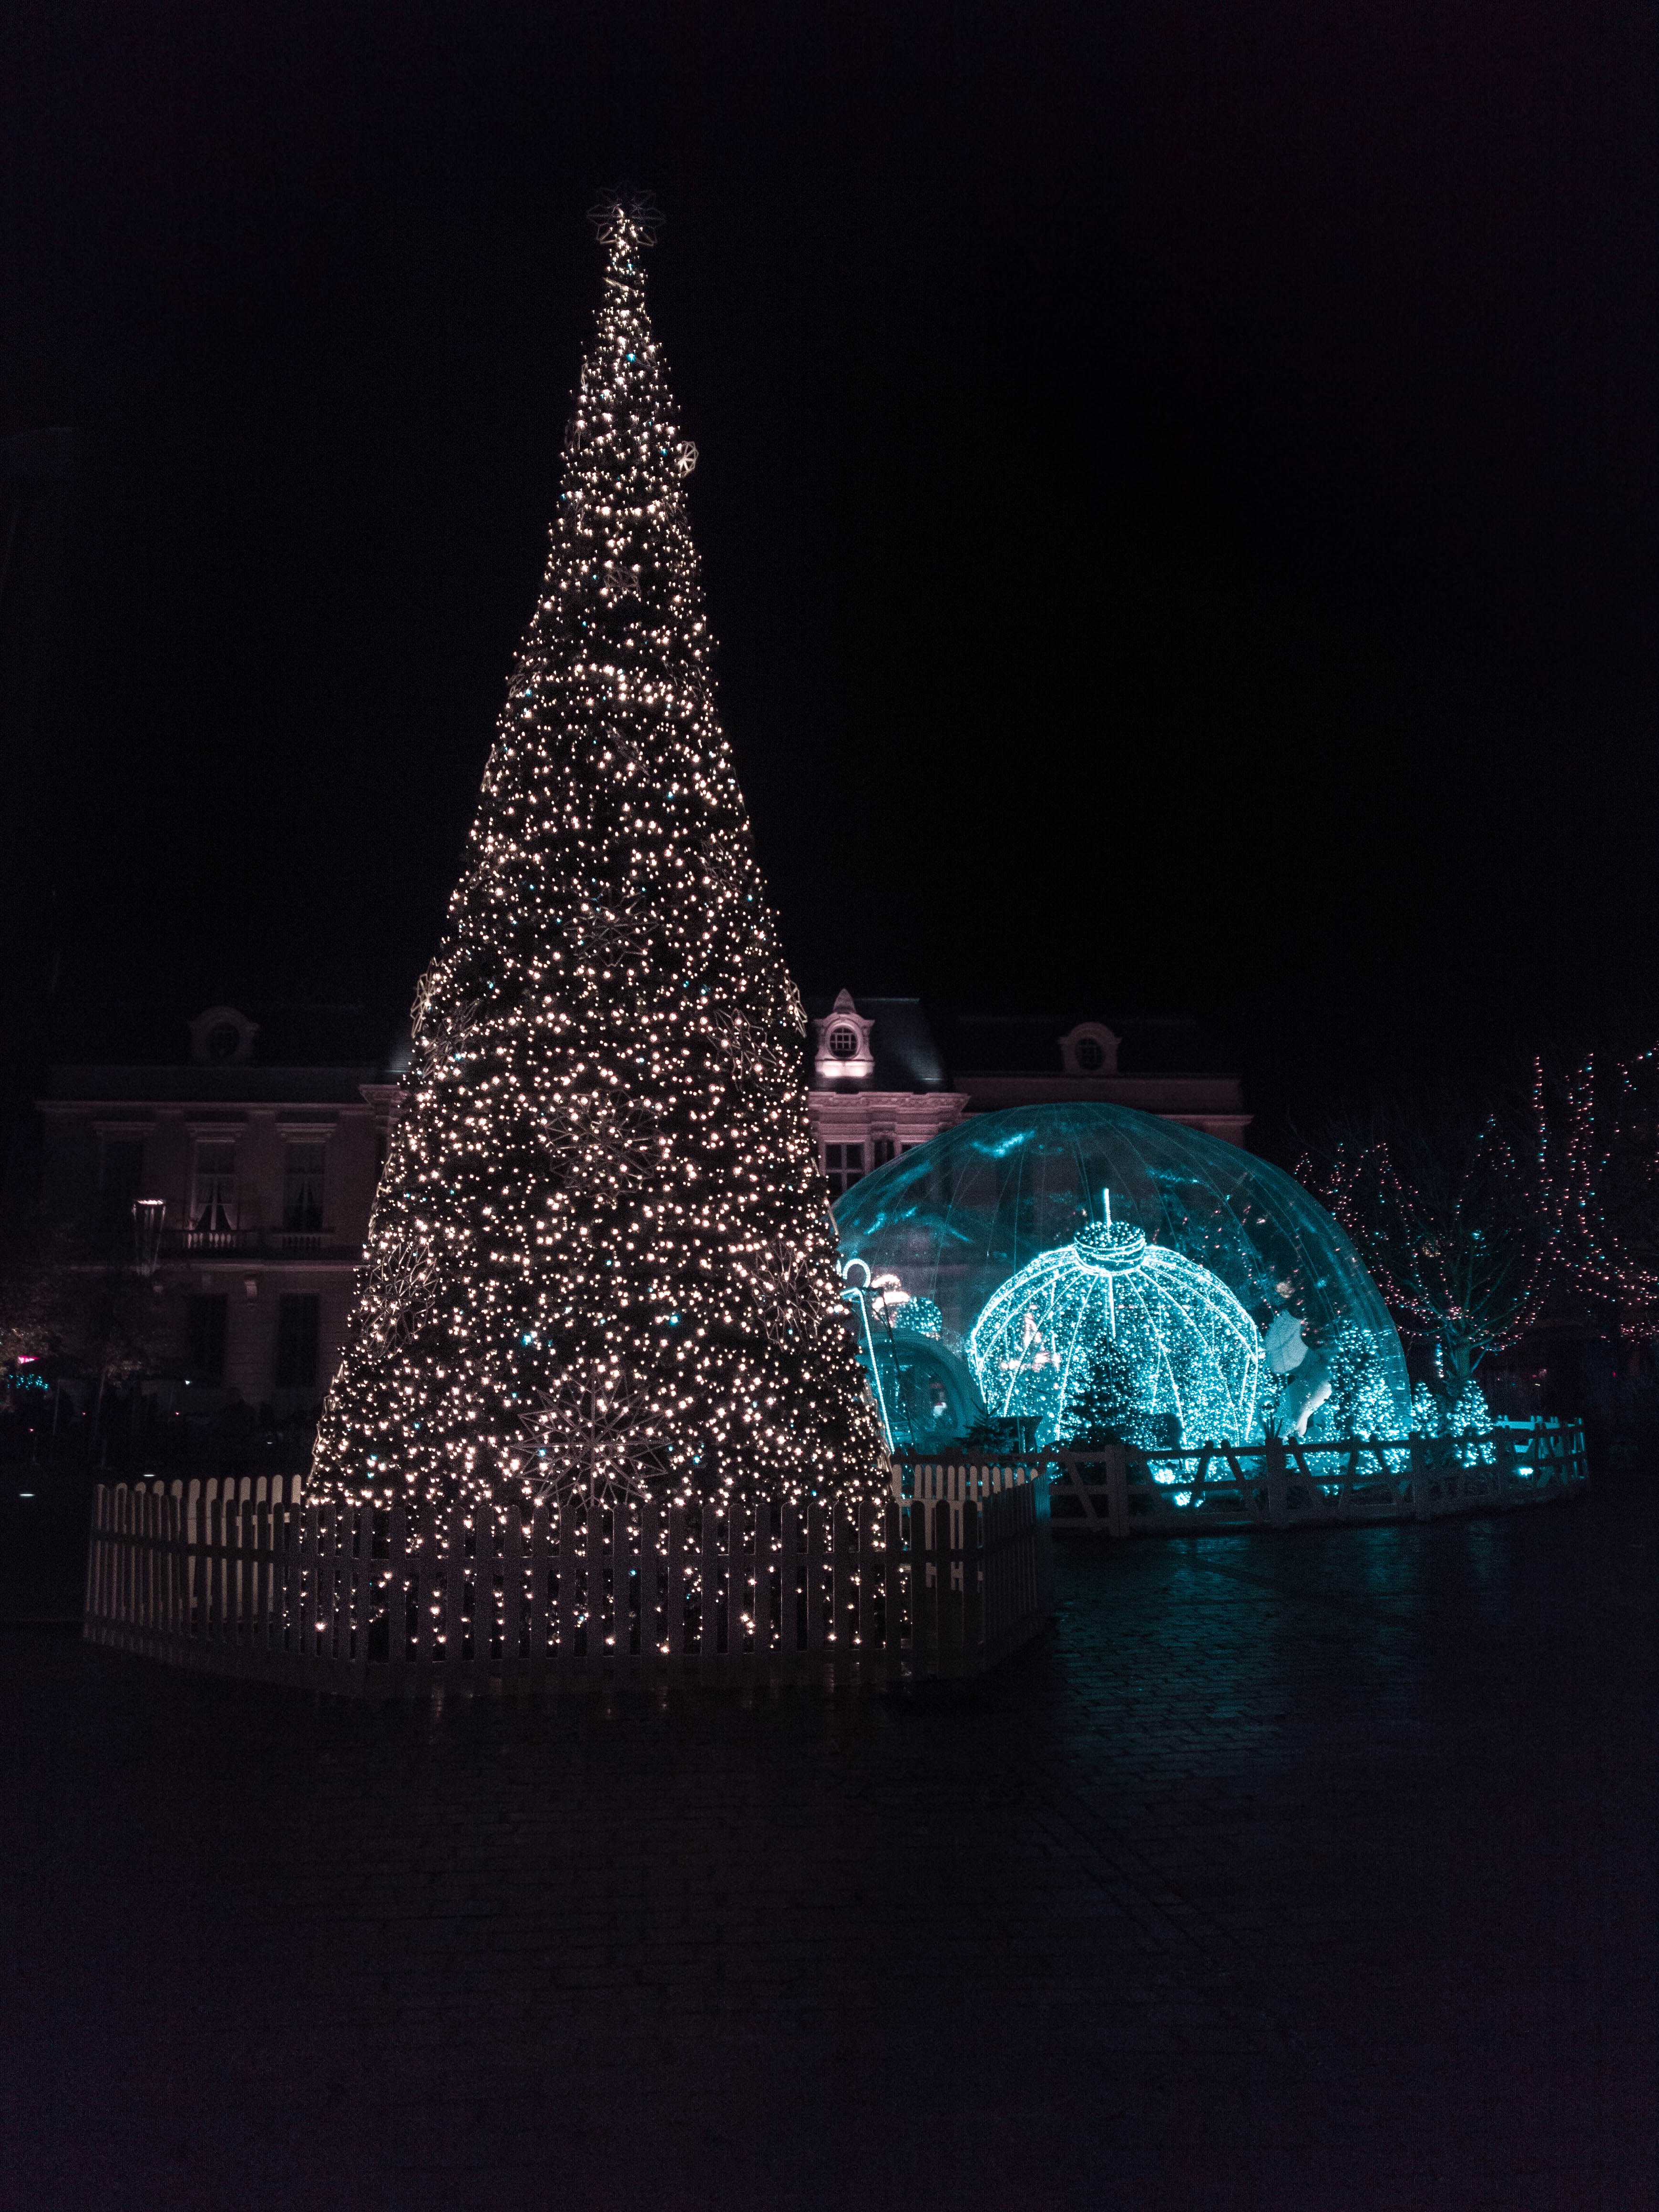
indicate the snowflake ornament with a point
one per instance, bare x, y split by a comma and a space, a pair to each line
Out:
398, 1295
750, 1052
794, 1300
594, 1144
794, 1013
595, 923
722, 865
595, 1441
438, 1041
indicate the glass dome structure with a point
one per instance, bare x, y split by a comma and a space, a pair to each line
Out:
1085, 1269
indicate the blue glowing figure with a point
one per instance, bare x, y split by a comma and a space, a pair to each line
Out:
1111, 1336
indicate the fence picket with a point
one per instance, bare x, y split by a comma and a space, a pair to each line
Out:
815, 1645
259, 1523
310, 1638
973, 1593
892, 1571
512, 1596
290, 1523
351, 1533
453, 1569
132, 1579
156, 1567
423, 1555
248, 1564
305, 1640
538, 1618
113, 1608
92, 1609
758, 1661
227, 1565
320, 1596
675, 1601
364, 1581
236, 1581
651, 1567
396, 1599
481, 1621
945, 1557
141, 1568
213, 1518
843, 1594
709, 1624
260, 1625
123, 1576
136, 1567
569, 1507
789, 1591
123, 1562
869, 1624
110, 1573
594, 1594
168, 1538
330, 1578
621, 1576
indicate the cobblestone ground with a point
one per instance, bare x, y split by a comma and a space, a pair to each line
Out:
1314, 1871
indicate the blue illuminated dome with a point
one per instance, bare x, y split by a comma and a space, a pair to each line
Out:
1113, 1335
1089, 1270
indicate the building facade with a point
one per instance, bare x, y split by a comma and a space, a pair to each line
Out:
258, 1169
236, 1160
889, 1073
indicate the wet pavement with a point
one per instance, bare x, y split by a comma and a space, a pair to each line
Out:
1314, 1870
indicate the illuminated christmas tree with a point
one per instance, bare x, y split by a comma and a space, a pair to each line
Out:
601, 1258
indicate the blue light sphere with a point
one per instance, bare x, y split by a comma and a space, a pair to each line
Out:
1111, 1336
1004, 1213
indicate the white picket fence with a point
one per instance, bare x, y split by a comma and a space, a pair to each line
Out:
1118, 1491
246, 1578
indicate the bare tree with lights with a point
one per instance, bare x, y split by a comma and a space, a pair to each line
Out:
601, 1258
1448, 1214
1598, 1153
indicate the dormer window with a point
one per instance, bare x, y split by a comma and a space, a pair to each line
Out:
843, 1053
222, 1037
1089, 1049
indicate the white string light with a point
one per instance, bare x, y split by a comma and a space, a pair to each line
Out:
602, 1215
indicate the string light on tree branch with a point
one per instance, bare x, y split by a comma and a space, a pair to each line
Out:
601, 1253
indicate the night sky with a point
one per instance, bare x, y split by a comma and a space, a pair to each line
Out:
1176, 491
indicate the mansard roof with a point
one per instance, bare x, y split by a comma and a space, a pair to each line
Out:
902, 1043
155, 1049
983, 1043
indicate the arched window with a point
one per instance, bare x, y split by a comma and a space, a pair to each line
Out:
843, 1044
1090, 1055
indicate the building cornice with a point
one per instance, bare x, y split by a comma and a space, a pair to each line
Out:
146, 1106
1151, 1094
